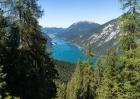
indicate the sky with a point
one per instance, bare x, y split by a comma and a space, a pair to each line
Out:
63, 13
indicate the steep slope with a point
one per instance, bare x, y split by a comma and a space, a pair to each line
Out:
78, 30
101, 38
65, 70
104, 37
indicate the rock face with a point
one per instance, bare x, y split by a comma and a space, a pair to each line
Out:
102, 38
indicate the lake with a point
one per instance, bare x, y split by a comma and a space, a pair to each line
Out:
65, 51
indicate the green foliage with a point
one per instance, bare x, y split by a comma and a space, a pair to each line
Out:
117, 75
3, 92
9, 97
27, 71
30, 71
65, 70
89, 53
81, 84
98, 72
129, 80
61, 90
106, 72
130, 75
129, 31
2, 82
129, 24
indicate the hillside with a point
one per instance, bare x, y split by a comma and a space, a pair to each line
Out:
64, 69
101, 38
77, 30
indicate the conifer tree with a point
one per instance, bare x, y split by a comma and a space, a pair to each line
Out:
2, 83
61, 90
2, 44
98, 74
129, 80
106, 79
30, 71
81, 85
129, 23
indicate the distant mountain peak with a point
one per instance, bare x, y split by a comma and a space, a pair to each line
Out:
52, 30
83, 23
78, 29
101, 37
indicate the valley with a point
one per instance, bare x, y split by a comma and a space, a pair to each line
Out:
49, 51
101, 37
64, 51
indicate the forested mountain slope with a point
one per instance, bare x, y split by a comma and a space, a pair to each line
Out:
101, 38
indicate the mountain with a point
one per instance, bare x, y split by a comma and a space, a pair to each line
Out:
52, 30
78, 29
101, 37
104, 37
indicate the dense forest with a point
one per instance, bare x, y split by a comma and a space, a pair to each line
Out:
27, 71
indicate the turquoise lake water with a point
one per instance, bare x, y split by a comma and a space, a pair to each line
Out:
65, 51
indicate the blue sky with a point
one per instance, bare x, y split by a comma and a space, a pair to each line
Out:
62, 13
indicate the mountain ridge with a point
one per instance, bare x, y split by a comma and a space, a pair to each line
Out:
77, 29
101, 37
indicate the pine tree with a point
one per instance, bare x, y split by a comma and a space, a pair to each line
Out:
2, 83
98, 74
129, 24
30, 70
61, 90
2, 43
106, 80
129, 81
130, 60
81, 85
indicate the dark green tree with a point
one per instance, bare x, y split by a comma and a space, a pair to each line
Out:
2, 43
61, 90
129, 82
106, 72
30, 70
129, 24
129, 79
98, 75
81, 85
2, 83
